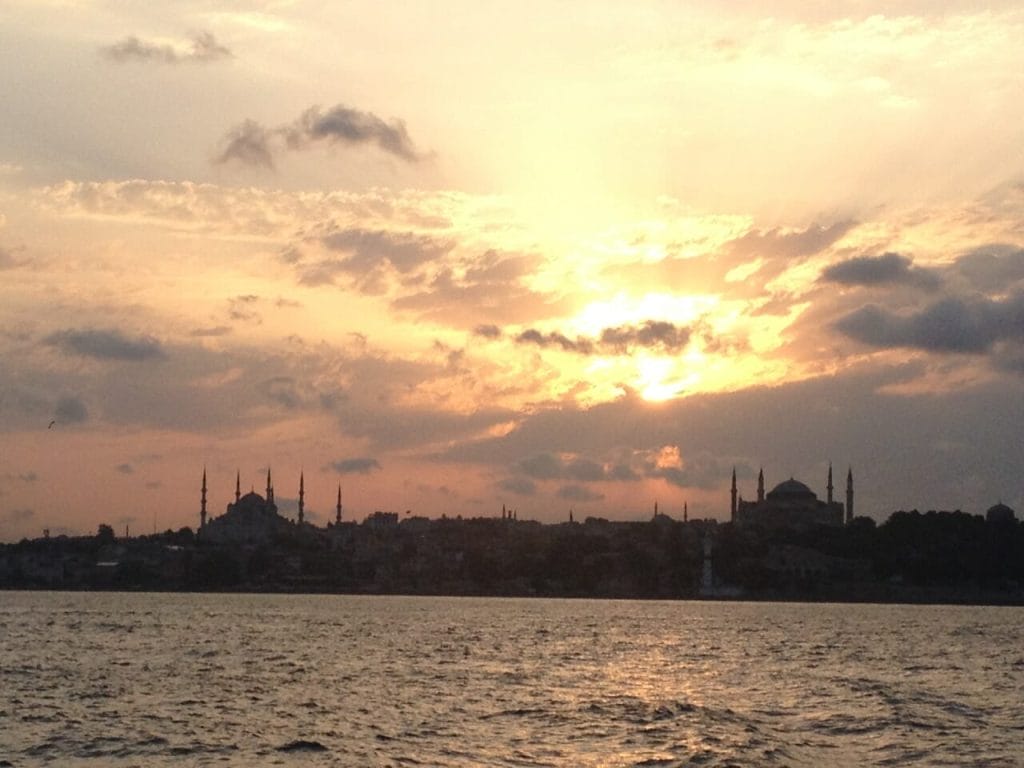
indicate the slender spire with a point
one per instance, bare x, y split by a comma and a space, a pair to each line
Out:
238, 485
849, 496
302, 496
686, 513
760, 485
655, 508
202, 503
732, 509
830, 482
270, 488
337, 513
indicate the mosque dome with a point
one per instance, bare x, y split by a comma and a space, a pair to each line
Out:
791, 489
1000, 513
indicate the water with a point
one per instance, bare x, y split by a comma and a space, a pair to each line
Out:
105, 679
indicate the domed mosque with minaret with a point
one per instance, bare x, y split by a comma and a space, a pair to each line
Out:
252, 519
792, 504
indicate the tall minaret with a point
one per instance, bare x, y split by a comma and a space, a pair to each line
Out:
302, 496
686, 513
830, 482
337, 513
238, 485
849, 496
732, 509
202, 504
760, 485
270, 488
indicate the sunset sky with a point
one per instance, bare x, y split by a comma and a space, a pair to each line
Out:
459, 255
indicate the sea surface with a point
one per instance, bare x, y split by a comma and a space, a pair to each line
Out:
111, 679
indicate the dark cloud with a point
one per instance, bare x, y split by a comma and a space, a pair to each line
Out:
342, 124
204, 49
361, 466
889, 268
993, 268
106, 345
487, 331
248, 143
580, 345
652, 334
125, 469
578, 493
253, 144
70, 410
20, 515
949, 325
542, 466
28, 477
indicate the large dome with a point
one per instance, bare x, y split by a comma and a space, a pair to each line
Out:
1000, 513
791, 489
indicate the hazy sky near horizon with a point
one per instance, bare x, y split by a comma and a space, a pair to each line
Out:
456, 255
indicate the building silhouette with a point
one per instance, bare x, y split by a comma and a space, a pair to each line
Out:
791, 504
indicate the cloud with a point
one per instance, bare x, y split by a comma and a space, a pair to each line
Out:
283, 390
7, 260
106, 345
948, 325
360, 466
992, 268
889, 268
125, 469
20, 515
790, 244
651, 334
578, 493
487, 331
251, 143
204, 49
371, 256
519, 485
70, 410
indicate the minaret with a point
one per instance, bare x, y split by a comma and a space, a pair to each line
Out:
202, 504
760, 486
238, 485
337, 513
830, 482
686, 513
270, 488
849, 496
302, 496
655, 508
732, 512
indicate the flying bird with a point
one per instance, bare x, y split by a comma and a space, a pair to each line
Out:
50, 425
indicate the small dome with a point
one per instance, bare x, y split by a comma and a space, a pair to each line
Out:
791, 489
1000, 513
